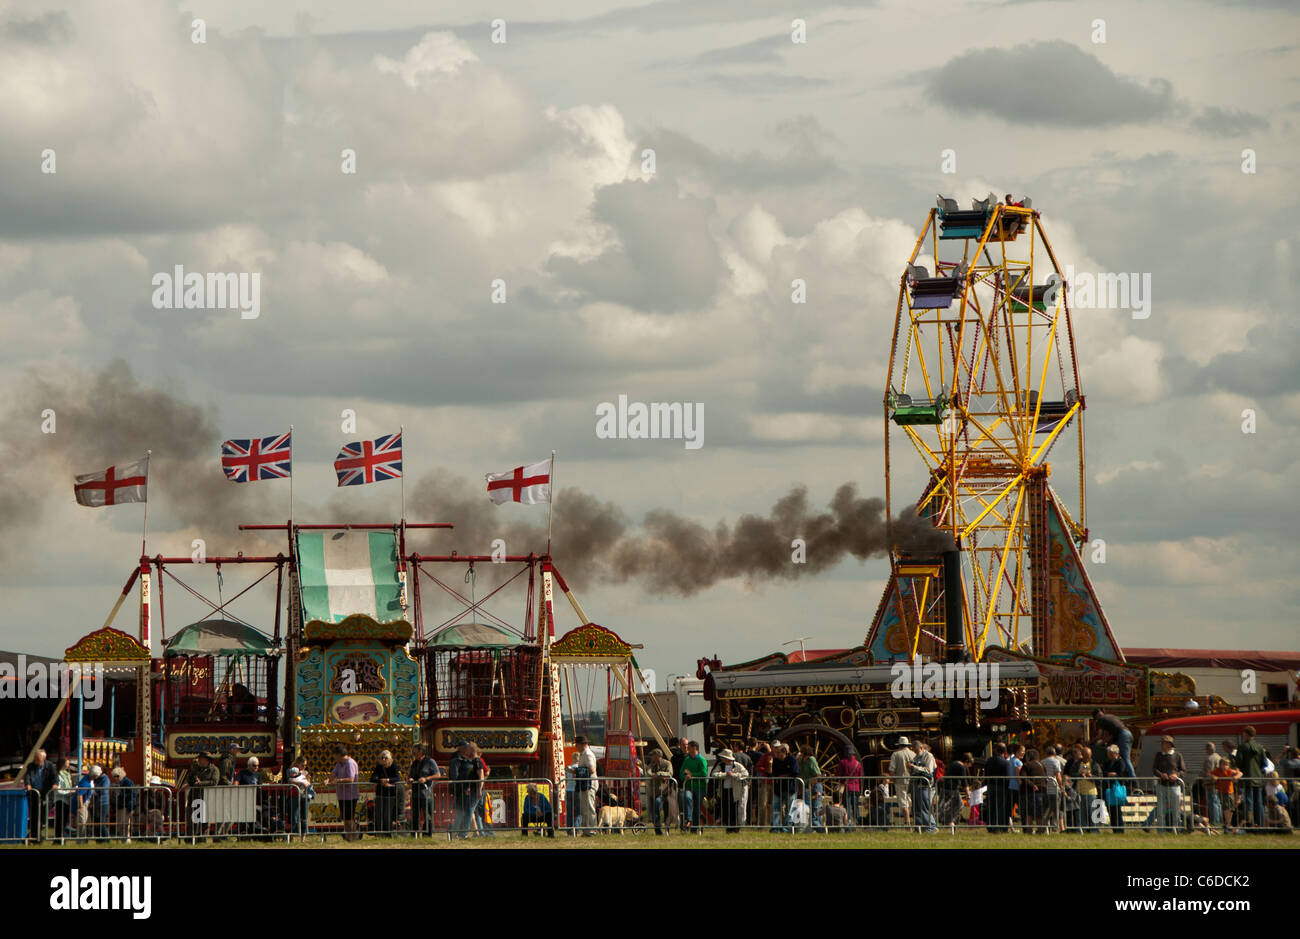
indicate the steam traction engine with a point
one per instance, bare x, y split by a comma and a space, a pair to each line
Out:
844, 702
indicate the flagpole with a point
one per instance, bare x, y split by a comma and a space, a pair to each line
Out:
401, 429
144, 531
291, 474
550, 506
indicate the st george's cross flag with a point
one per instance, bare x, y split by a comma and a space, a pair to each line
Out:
126, 482
527, 484
370, 461
248, 460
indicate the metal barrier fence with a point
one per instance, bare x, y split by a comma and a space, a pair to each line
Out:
655, 803
829, 804
98, 814
279, 811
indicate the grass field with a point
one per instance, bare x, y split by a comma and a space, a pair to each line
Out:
758, 840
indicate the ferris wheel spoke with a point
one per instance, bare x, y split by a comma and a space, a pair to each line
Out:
987, 433
1032, 426
1060, 426
984, 349
933, 459
929, 496
989, 508
1006, 552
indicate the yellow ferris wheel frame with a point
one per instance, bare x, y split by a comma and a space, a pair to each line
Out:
980, 357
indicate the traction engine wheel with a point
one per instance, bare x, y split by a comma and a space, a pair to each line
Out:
827, 743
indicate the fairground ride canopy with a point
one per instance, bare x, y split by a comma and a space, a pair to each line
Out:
473, 636
343, 573
219, 637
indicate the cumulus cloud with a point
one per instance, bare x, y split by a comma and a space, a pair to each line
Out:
47, 29
767, 83
766, 49
812, 427
665, 259
1191, 562
1266, 367
668, 14
1050, 83
435, 113
805, 161
1228, 122
1129, 370
177, 138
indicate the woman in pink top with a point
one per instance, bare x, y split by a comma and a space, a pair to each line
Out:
849, 771
344, 778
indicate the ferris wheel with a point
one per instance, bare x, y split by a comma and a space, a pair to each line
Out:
983, 389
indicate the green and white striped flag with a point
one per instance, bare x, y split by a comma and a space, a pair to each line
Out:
346, 572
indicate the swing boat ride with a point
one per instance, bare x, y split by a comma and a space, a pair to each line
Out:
362, 666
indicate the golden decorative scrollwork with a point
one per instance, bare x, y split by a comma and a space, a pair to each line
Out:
364, 743
1172, 684
590, 642
107, 645
358, 626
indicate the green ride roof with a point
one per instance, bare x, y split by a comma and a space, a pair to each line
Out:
219, 637
474, 636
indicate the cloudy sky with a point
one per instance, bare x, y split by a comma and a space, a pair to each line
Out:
523, 161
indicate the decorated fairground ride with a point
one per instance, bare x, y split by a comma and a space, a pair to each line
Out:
353, 661
983, 386
583, 657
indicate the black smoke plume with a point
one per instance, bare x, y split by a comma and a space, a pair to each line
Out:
594, 541
110, 418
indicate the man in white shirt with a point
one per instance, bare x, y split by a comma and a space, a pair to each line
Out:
900, 767
923, 770
585, 758
734, 778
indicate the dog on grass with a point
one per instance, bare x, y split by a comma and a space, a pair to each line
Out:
617, 816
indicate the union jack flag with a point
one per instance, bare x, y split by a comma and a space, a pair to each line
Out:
246, 461
370, 461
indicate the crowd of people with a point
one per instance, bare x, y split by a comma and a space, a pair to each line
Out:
766, 783
101, 803
107, 803
1076, 788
